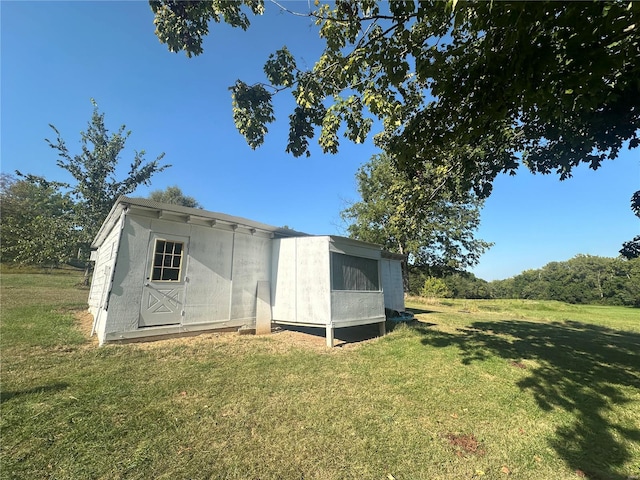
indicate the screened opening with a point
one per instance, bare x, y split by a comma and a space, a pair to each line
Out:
167, 261
354, 273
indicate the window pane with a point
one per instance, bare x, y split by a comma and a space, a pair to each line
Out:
170, 274
157, 274
178, 248
176, 262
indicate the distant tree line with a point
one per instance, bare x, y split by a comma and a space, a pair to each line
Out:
584, 279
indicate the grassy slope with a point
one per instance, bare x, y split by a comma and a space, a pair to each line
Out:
483, 389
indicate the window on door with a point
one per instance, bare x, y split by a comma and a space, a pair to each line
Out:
167, 261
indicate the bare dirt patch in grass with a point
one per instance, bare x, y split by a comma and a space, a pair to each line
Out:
84, 321
281, 339
465, 444
518, 364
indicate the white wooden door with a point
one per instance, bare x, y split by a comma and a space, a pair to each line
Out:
164, 289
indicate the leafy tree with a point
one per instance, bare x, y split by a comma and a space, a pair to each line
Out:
37, 223
96, 188
174, 195
467, 285
622, 285
413, 216
475, 87
631, 249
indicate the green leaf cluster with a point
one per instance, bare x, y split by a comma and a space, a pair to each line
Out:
38, 224
182, 25
475, 87
252, 110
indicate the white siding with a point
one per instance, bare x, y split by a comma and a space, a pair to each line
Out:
222, 270
130, 275
209, 276
107, 255
251, 264
392, 284
349, 248
313, 280
223, 265
283, 279
300, 283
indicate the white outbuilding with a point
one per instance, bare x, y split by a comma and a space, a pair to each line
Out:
163, 269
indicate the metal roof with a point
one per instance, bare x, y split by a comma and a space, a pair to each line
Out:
124, 202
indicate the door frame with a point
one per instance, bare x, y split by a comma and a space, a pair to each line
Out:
163, 301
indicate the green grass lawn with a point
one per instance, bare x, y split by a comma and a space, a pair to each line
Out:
474, 389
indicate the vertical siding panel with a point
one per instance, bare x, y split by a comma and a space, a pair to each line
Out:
251, 264
209, 286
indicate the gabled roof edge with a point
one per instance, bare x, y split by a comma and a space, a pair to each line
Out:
123, 202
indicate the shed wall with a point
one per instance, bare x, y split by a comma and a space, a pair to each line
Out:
340, 245
130, 273
106, 257
301, 281
251, 264
392, 284
313, 281
101, 279
222, 269
350, 307
209, 276
356, 308
283, 279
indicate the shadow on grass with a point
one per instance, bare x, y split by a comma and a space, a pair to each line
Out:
417, 325
417, 311
54, 387
581, 368
342, 336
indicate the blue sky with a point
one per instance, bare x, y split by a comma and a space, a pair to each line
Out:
56, 56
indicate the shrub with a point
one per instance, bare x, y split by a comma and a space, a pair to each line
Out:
435, 288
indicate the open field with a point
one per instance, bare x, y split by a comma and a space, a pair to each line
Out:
474, 389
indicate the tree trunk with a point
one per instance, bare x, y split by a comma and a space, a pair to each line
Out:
87, 274
405, 276
405, 269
